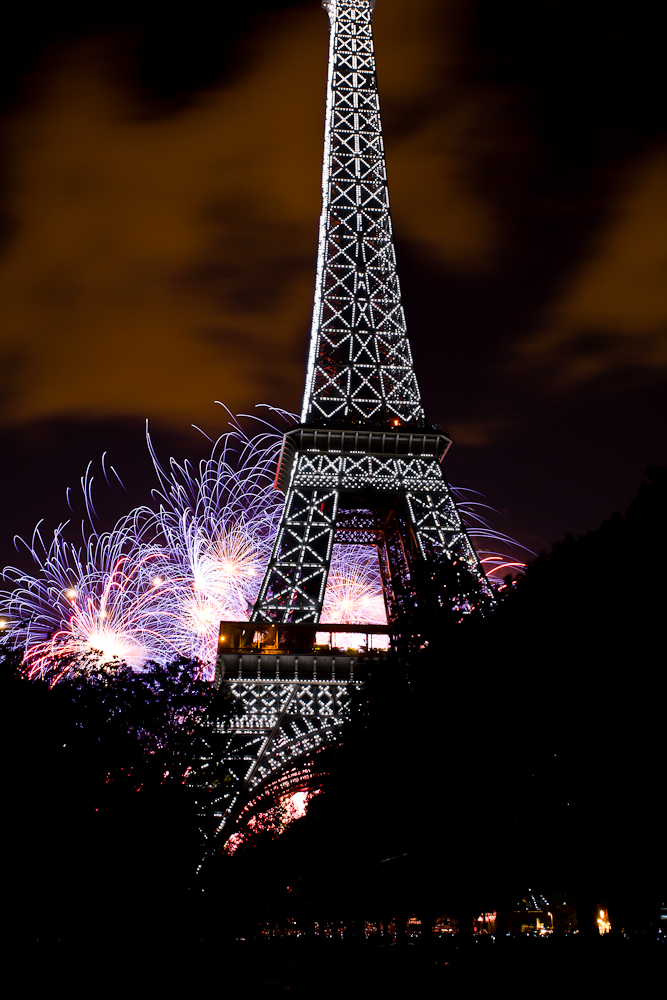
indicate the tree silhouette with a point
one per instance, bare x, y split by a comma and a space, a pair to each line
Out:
101, 821
499, 750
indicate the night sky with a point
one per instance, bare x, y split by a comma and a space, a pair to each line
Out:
160, 202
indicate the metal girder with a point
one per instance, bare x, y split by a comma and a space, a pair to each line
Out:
422, 524
362, 466
360, 366
277, 723
362, 424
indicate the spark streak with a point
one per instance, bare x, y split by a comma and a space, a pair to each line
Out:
157, 586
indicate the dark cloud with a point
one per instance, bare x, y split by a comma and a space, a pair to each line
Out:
161, 200
612, 314
159, 263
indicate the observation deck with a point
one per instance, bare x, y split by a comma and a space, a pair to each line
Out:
255, 651
338, 441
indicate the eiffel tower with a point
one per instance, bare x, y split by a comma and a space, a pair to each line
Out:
362, 467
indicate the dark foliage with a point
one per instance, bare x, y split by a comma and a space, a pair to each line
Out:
154, 711
102, 831
443, 592
522, 748
612, 577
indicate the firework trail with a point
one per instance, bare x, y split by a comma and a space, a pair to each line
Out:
354, 587
157, 586
497, 564
214, 529
84, 599
354, 595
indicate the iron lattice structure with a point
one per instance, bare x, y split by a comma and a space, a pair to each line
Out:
280, 710
360, 369
362, 467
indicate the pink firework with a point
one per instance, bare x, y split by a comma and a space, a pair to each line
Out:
354, 588
157, 586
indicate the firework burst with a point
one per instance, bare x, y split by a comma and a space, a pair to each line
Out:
84, 599
496, 561
213, 528
157, 586
354, 587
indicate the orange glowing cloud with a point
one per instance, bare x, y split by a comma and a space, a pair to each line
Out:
158, 263
613, 314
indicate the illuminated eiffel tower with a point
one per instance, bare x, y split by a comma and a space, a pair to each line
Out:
362, 467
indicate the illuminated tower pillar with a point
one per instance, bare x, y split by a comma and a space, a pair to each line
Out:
363, 465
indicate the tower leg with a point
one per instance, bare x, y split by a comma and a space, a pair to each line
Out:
296, 578
287, 708
439, 530
416, 515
